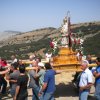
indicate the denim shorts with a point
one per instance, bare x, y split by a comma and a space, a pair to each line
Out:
12, 92
97, 91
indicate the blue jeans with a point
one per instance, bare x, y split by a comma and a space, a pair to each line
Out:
97, 91
83, 95
48, 96
35, 93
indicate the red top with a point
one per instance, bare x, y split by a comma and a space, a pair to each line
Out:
3, 63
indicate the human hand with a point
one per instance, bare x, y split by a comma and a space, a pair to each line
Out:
39, 94
14, 98
94, 72
81, 88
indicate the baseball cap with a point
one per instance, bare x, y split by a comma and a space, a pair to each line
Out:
41, 64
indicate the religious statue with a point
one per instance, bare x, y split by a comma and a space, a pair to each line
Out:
65, 32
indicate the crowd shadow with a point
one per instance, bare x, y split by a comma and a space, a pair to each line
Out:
68, 90
91, 98
65, 90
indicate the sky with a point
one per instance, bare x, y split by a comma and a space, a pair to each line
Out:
28, 15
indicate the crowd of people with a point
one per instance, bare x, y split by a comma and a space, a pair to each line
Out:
86, 78
41, 79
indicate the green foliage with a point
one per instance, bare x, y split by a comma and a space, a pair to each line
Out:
92, 45
89, 29
21, 50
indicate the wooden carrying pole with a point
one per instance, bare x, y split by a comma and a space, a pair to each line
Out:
66, 67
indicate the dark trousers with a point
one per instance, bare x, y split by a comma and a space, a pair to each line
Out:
3, 84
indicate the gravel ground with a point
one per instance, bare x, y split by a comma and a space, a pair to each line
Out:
65, 90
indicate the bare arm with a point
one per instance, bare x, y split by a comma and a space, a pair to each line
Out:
36, 76
86, 87
13, 81
43, 88
10, 80
4, 72
96, 74
59, 71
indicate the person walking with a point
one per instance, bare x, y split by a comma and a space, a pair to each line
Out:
40, 74
33, 83
85, 82
3, 82
48, 87
96, 73
13, 77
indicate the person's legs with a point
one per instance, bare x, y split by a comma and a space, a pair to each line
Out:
0, 84
48, 96
12, 92
4, 87
22, 98
83, 95
35, 93
97, 92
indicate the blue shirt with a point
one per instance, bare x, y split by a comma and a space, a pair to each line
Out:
49, 78
98, 71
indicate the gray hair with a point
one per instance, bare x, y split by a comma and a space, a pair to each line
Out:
85, 62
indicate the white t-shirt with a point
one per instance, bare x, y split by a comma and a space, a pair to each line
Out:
48, 55
15, 60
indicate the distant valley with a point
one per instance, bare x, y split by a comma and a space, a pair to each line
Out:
7, 34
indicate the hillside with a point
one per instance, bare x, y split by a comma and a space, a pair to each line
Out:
38, 40
91, 34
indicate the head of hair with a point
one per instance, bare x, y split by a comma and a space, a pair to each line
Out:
38, 58
48, 66
31, 57
22, 68
15, 65
98, 59
13, 56
85, 63
88, 57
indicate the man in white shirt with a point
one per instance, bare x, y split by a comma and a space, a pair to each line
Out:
14, 59
48, 56
85, 82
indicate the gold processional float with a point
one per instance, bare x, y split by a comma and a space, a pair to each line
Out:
66, 58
